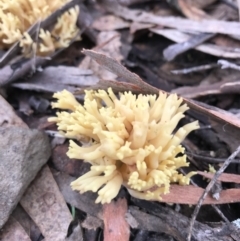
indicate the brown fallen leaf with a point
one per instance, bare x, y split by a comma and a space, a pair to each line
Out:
231, 88
84, 202
13, 231
115, 226
109, 43
191, 194
8, 116
64, 164
45, 205
201, 90
26, 222
191, 11
110, 22
226, 125
115, 67
54, 79
225, 177
115, 85
135, 26
201, 4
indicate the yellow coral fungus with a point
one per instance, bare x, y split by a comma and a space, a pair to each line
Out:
16, 16
132, 141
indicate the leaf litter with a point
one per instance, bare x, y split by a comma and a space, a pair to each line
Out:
118, 50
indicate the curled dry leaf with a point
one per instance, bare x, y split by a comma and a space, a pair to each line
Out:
109, 43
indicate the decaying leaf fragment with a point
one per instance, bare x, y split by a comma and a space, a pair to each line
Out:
130, 141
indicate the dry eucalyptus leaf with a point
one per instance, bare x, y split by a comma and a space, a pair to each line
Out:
109, 43
115, 224
225, 177
191, 194
13, 231
135, 26
109, 22
84, 202
115, 85
226, 125
8, 116
115, 67
191, 11
201, 90
45, 205
54, 79
26, 222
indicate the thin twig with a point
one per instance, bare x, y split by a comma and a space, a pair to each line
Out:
208, 188
213, 205
226, 64
194, 69
209, 159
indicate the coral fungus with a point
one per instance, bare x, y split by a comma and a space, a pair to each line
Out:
131, 141
16, 16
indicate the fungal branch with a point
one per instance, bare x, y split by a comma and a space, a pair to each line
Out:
17, 16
